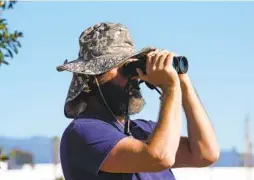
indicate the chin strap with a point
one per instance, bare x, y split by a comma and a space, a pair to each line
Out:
126, 110
130, 85
133, 84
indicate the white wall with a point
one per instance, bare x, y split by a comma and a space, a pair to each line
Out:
46, 172
216, 173
39, 172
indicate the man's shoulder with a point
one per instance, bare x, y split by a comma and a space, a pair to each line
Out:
87, 126
145, 123
86, 123
90, 132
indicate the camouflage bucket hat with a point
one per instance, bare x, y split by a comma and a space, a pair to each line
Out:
102, 47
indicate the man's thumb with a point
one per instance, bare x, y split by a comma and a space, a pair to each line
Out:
141, 74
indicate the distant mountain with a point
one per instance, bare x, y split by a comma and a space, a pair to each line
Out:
229, 159
41, 147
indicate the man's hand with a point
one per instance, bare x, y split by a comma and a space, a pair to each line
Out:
158, 153
159, 70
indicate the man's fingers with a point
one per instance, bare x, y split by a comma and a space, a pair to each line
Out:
168, 61
162, 59
148, 63
159, 59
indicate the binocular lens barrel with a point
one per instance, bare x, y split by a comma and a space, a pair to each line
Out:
180, 63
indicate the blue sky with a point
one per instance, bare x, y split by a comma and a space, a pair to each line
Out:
216, 37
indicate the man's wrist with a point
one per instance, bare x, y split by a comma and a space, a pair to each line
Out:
170, 90
187, 88
185, 82
170, 87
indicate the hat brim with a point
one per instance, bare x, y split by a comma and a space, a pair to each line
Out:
101, 64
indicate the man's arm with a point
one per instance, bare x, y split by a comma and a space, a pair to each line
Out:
200, 148
130, 155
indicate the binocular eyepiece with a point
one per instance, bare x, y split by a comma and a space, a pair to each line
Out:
180, 64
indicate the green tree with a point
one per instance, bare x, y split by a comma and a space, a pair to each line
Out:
60, 178
3, 157
22, 157
9, 42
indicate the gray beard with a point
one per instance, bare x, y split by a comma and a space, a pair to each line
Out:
117, 99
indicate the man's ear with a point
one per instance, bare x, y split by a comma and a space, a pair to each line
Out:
101, 78
92, 85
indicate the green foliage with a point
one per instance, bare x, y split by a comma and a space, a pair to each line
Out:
3, 157
59, 178
22, 157
9, 42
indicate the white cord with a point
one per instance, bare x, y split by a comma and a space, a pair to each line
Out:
106, 102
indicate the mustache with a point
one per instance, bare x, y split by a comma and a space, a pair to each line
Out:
120, 101
132, 85
131, 90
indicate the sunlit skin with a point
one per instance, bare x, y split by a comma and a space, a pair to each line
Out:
202, 141
199, 149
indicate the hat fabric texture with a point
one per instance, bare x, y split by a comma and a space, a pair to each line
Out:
101, 48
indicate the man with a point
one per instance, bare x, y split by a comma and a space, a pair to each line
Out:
95, 145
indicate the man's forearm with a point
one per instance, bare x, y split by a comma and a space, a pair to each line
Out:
202, 139
166, 136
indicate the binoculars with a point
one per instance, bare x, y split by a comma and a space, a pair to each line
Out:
180, 64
